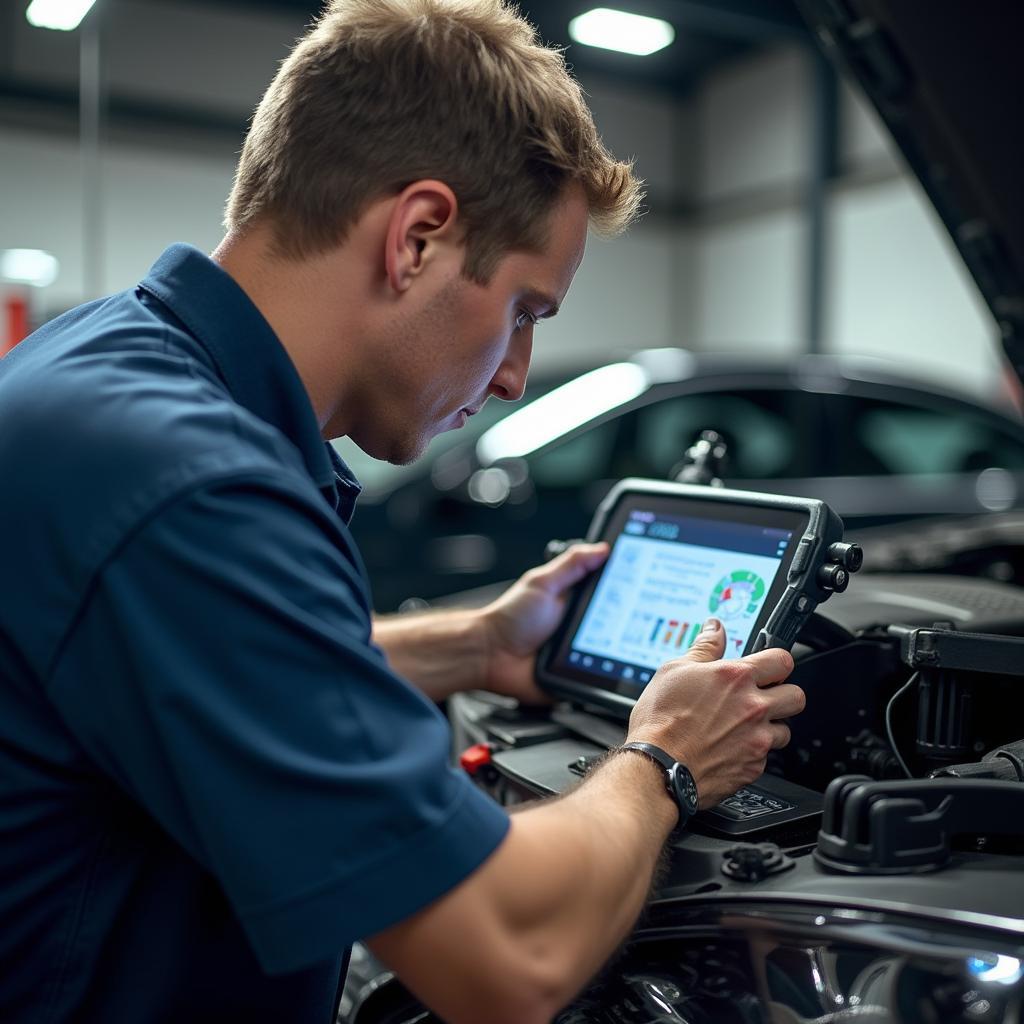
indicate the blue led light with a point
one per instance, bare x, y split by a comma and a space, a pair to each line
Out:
994, 967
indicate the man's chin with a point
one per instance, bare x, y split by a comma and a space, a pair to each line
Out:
410, 449
406, 459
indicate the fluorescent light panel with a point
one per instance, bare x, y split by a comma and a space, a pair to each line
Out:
559, 411
64, 15
28, 266
619, 30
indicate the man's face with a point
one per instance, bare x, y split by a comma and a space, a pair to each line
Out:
467, 341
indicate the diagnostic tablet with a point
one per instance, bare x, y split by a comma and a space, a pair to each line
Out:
681, 554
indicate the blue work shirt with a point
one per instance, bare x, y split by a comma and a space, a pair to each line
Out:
211, 782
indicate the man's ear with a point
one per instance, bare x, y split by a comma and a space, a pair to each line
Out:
422, 226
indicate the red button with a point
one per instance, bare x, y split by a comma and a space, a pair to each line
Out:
475, 757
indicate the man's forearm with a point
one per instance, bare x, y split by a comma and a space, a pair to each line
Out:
594, 856
441, 652
538, 919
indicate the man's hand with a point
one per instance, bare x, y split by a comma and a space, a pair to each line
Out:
719, 718
490, 648
518, 622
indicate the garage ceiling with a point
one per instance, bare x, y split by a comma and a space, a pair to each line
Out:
708, 32
196, 68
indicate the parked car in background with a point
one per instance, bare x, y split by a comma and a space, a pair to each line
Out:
878, 447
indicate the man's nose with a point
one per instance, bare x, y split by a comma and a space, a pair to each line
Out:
509, 383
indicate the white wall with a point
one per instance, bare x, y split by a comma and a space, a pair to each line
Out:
149, 199
644, 126
895, 286
864, 143
621, 299
753, 119
750, 286
625, 296
896, 290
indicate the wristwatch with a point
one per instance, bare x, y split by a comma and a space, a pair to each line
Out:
678, 779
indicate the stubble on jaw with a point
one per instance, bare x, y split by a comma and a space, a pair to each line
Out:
415, 340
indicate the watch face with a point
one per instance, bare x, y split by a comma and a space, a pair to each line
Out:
684, 787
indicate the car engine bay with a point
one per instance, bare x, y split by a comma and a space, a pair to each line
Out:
836, 888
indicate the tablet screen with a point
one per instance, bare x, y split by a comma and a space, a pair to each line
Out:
673, 564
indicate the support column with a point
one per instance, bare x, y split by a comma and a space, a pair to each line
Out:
822, 169
90, 114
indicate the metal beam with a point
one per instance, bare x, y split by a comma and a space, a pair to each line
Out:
57, 107
824, 143
90, 122
753, 21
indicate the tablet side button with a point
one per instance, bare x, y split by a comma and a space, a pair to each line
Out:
800, 556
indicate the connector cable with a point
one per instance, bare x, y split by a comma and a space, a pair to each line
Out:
888, 721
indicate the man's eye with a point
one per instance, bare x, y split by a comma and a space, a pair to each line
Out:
525, 318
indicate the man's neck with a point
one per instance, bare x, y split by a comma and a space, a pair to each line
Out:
304, 302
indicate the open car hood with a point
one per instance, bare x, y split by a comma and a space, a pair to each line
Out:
947, 77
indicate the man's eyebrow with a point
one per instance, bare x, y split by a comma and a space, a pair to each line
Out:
540, 299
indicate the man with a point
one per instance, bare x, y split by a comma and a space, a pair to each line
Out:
213, 778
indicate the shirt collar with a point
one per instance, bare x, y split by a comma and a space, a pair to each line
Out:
346, 487
250, 360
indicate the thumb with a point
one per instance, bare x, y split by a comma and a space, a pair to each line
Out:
710, 643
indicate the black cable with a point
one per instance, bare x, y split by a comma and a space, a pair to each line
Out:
888, 721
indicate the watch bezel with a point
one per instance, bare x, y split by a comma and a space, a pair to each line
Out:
684, 788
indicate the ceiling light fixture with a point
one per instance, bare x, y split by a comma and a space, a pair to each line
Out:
65, 15
28, 266
619, 30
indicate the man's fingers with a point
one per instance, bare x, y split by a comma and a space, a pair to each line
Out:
572, 565
710, 643
770, 666
784, 701
780, 735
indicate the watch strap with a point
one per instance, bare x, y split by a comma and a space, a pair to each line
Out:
665, 759
687, 805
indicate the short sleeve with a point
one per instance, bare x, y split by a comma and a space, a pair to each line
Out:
222, 672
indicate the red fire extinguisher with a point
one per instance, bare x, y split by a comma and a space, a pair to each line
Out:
15, 320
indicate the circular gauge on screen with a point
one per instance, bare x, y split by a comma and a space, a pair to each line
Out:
737, 594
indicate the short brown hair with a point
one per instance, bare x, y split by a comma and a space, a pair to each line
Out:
382, 93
